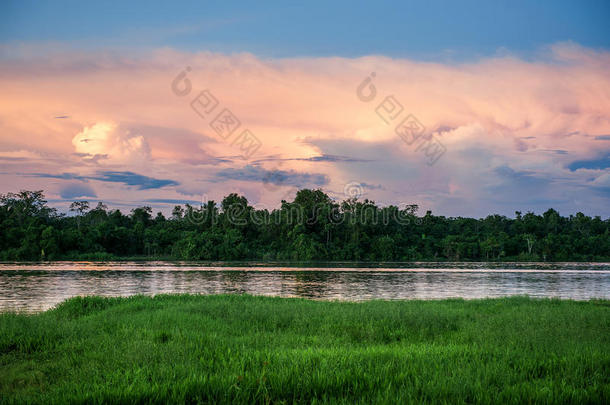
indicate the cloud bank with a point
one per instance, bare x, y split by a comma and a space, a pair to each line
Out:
519, 134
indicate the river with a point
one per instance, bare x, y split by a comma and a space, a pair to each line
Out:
31, 287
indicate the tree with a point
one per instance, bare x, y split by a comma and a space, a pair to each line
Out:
530, 239
80, 207
26, 205
48, 243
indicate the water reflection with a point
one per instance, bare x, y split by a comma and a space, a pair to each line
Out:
35, 287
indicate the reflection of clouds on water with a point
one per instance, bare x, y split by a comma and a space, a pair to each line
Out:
40, 286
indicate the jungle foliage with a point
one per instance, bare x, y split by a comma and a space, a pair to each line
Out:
309, 228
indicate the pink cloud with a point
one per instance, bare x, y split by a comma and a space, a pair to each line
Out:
492, 113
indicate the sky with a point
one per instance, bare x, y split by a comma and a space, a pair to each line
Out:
465, 108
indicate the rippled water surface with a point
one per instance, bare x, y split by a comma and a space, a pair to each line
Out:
40, 286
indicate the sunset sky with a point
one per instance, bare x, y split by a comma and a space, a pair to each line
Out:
104, 102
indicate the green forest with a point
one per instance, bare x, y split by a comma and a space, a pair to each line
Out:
313, 227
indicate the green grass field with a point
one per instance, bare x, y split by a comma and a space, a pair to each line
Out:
245, 349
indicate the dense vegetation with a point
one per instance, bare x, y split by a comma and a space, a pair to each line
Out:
244, 349
312, 227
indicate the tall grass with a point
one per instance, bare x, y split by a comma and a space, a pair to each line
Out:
245, 349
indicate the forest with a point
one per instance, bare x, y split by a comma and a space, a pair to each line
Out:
313, 227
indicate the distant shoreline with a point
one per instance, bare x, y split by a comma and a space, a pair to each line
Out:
324, 264
313, 228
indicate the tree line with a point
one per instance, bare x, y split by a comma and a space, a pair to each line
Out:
311, 227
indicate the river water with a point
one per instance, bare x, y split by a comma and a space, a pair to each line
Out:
30, 287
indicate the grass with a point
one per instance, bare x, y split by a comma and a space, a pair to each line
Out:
245, 349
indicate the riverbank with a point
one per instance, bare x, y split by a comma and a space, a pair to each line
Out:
235, 348
534, 265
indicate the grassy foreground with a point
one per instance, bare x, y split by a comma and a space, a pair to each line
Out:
232, 348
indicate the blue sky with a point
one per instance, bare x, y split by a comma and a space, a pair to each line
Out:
429, 30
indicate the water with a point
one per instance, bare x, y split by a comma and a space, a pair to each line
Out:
33, 287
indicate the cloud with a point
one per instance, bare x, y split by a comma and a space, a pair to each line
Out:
178, 144
372, 186
523, 179
114, 143
321, 158
19, 155
76, 190
276, 177
88, 158
172, 201
504, 121
134, 179
62, 176
127, 178
602, 181
592, 164
602, 184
